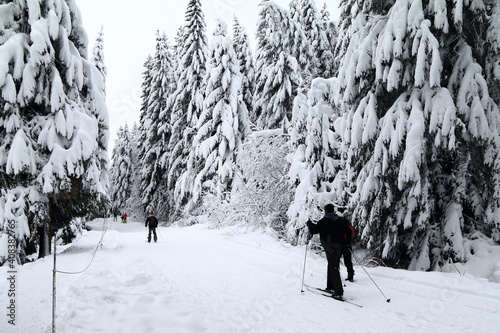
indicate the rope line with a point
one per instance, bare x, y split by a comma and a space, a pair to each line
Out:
93, 254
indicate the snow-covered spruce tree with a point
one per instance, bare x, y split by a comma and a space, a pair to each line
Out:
52, 113
144, 125
222, 124
122, 171
316, 164
164, 197
348, 11
493, 46
155, 129
15, 183
278, 74
134, 202
312, 40
264, 56
103, 134
188, 103
330, 28
327, 41
314, 31
165, 93
98, 55
294, 7
422, 130
177, 47
147, 76
299, 43
492, 68
243, 50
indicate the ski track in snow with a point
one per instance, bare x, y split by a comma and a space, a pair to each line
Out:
233, 280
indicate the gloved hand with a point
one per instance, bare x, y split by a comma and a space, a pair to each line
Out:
309, 223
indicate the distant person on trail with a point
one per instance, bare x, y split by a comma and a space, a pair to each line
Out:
124, 218
152, 221
346, 252
115, 215
334, 233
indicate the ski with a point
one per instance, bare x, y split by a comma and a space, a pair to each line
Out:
317, 290
328, 294
343, 300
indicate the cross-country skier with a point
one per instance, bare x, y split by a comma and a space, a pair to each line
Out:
334, 233
152, 221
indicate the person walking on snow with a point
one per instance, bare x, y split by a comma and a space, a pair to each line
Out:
152, 221
334, 233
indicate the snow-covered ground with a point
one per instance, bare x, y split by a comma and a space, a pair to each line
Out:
233, 280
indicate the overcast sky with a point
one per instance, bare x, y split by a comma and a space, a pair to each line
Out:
129, 37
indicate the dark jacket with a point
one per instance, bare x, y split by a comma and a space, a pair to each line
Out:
152, 221
332, 229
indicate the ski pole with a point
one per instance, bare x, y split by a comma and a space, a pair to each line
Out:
388, 300
340, 274
159, 233
304, 270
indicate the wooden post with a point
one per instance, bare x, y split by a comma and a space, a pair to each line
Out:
54, 289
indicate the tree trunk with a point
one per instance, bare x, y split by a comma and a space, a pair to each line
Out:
44, 241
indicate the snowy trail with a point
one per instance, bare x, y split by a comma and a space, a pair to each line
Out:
231, 280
